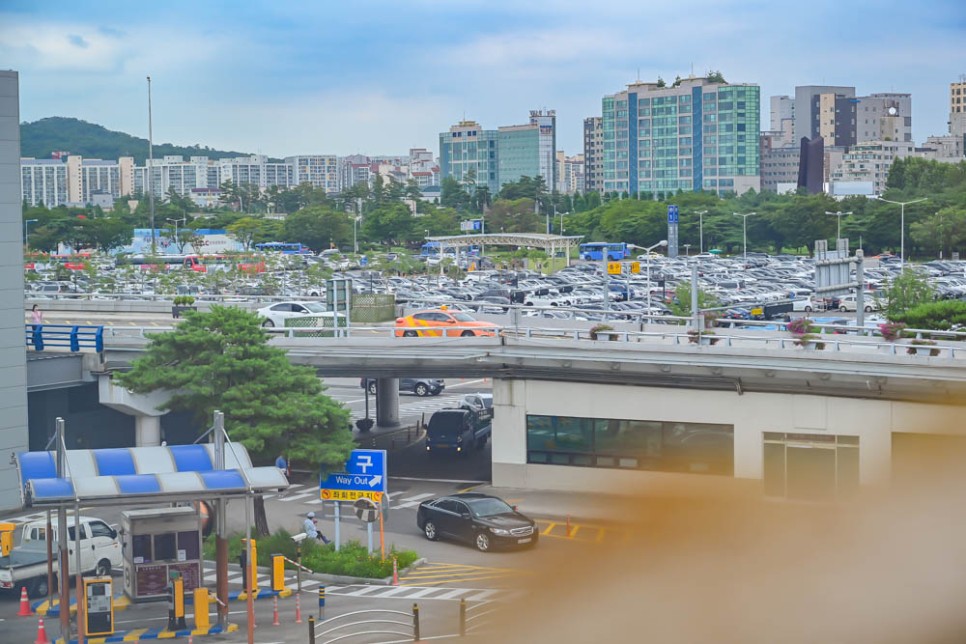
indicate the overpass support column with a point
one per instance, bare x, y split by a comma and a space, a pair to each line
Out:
387, 402
147, 431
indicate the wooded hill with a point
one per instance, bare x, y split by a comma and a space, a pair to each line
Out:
40, 138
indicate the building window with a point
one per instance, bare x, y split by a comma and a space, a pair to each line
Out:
811, 467
694, 448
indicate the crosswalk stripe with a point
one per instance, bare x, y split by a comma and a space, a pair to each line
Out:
453, 594
422, 593
366, 590
395, 590
289, 498
478, 597
412, 501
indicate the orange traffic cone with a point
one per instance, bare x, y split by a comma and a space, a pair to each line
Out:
41, 633
275, 621
24, 603
298, 608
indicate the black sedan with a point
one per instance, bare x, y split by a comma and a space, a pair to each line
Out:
485, 521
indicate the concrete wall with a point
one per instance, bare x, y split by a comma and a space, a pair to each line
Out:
13, 369
751, 414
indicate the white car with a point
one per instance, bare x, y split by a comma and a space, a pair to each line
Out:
276, 314
805, 305
848, 303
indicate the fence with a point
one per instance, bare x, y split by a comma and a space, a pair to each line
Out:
75, 338
369, 308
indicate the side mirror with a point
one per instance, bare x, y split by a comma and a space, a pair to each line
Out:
514, 508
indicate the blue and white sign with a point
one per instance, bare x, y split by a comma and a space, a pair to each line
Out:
471, 225
365, 475
672, 214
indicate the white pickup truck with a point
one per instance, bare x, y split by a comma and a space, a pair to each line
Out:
26, 565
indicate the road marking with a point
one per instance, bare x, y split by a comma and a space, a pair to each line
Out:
295, 497
453, 594
366, 590
395, 591
422, 593
412, 501
549, 529
482, 596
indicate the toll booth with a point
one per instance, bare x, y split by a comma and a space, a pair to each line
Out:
156, 543
98, 606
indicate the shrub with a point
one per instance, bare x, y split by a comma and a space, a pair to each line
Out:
598, 328
891, 330
800, 326
941, 316
809, 338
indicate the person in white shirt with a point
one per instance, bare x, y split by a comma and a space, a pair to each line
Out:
311, 528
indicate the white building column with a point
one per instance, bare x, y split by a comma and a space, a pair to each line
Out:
147, 431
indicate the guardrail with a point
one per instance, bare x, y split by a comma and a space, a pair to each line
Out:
852, 342
45, 336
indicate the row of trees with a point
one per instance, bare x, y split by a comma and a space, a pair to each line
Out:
390, 214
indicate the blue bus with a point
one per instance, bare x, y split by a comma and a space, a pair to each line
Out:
286, 248
595, 251
433, 248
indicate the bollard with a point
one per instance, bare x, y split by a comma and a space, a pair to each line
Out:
321, 602
298, 608
462, 617
568, 526
275, 621
278, 572
415, 622
311, 630
202, 618
176, 602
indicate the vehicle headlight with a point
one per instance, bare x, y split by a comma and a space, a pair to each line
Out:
500, 531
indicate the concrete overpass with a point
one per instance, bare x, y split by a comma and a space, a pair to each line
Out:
562, 400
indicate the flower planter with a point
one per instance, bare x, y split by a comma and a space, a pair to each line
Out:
922, 351
703, 340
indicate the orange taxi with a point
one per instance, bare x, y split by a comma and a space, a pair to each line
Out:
440, 322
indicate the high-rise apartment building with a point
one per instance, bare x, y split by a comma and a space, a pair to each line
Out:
317, 170
957, 107
593, 154
469, 154
695, 135
782, 121
43, 181
570, 173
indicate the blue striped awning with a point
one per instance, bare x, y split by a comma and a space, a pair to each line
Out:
102, 476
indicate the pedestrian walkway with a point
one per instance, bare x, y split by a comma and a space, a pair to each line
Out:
437, 574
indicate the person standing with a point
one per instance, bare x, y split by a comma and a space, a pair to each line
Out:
36, 315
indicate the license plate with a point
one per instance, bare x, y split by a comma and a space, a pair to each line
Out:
527, 540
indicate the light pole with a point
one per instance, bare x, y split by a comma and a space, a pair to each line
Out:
838, 214
26, 225
687, 250
701, 214
744, 221
647, 260
902, 223
355, 234
183, 219
154, 246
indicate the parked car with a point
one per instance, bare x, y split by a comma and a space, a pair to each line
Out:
276, 314
485, 521
442, 321
458, 430
419, 386
849, 303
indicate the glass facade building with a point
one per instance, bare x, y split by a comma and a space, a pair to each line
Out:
696, 136
469, 154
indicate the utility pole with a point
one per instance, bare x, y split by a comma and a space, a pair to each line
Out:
838, 215
154, 242
701, 214
744, 220
902, 223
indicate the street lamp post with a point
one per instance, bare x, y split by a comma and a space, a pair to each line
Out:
701, 214
355, 234
154, 246
647, 260
687, 250
176, 241
744, 228
838, 214
902, 223
26, 239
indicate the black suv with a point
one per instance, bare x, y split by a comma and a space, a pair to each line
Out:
419, 386
485, 521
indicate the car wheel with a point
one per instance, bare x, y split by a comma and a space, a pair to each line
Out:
436, 392
808, 309
843, 308
38, 587
482, 542
430, 531
868, 309
409, 334
268, 324
103, 568
466, 333
372, 387
420, 389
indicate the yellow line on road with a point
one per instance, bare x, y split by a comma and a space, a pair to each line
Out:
445, 581
549, 529
600, 535
447, 565
461, 576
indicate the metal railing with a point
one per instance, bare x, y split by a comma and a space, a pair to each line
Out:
473, 619
73, 337
366, 619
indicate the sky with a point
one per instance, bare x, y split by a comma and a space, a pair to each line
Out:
377, 77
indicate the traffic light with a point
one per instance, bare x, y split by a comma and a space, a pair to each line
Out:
635, 267
614, 268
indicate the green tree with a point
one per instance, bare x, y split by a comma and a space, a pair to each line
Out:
681, 302
246, 230
318, 226
908, 290
452, 195
108, 233
221, 360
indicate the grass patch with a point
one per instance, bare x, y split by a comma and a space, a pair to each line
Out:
352, 559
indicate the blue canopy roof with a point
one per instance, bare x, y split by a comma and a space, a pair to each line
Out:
126, 475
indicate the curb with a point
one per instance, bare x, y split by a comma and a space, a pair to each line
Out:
362, 581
